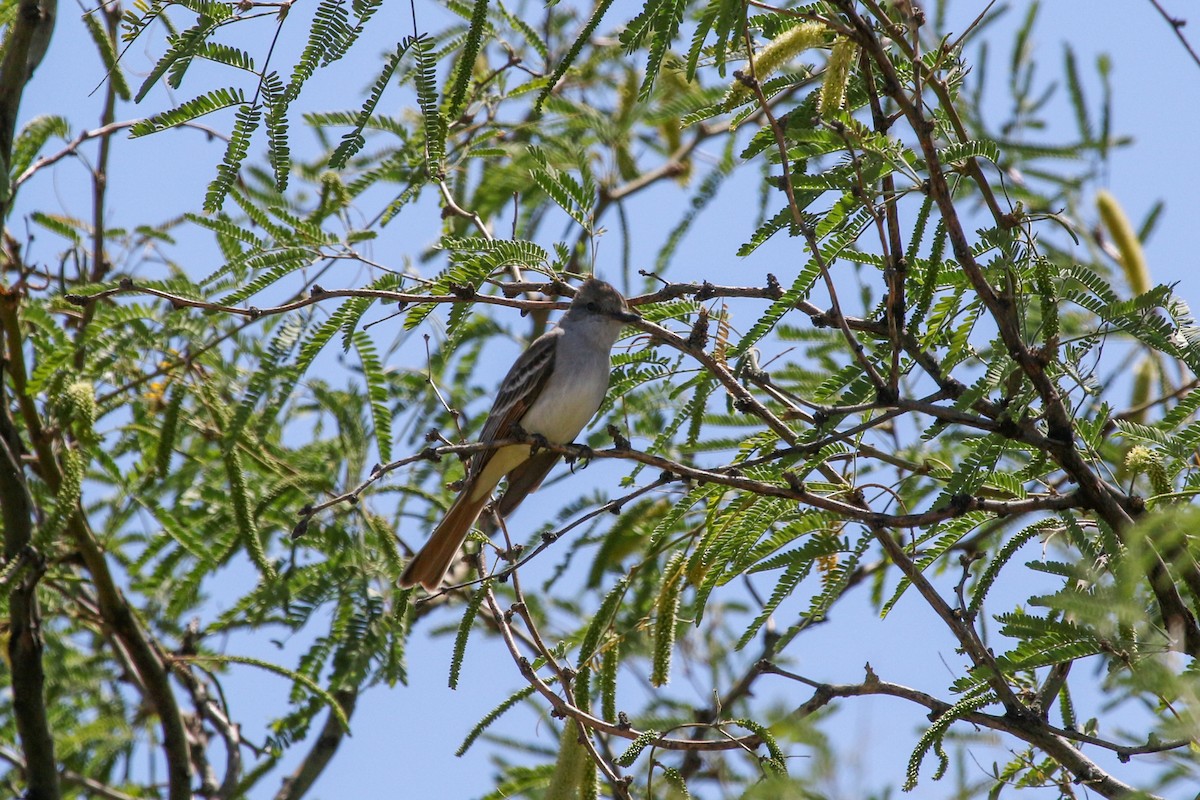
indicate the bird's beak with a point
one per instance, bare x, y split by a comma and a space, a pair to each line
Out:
628, 316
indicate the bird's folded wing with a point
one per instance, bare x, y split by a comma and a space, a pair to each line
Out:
518, 391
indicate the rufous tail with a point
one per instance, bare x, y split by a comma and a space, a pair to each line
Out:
430, 565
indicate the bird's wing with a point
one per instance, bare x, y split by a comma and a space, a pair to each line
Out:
518, 391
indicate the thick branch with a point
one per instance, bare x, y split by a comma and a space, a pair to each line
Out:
25, 635
117, 614
120, 619
24, 45
297, 784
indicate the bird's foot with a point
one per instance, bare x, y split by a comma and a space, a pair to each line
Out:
579, 453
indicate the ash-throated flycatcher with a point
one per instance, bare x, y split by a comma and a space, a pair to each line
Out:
553, 389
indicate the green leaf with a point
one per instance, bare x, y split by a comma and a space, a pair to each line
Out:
799, 290
491, 717
240, 500
353, 141
464, 632
270, 367
207, 103
577, 198
601, 621
425, 79
377, 391
974, 148
164, 447
244, 126
456, 99
334, 706
585, 35
108, 54
182, 47
66, 227
32, 138
279, 152
784, 587
667, 19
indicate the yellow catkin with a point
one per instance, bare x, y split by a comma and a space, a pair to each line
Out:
81, 400
1129, 249
573, 766
1141, 460
837, 75
666, 620
782, 49
1138, 458
66, 499
826, 564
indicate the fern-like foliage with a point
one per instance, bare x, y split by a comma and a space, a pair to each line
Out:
245, 123
353, 141
189, 110
871, 376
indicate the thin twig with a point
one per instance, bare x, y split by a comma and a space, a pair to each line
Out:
1177, 24
72, 147
1046, 737
801, 225
566, 708
94, 787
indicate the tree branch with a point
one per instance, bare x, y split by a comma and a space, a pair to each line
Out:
94, 787
1106, 501
1040, 735
25, 634
1177, 24
594, 723
297, 784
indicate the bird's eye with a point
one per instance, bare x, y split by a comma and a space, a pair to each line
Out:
592, 307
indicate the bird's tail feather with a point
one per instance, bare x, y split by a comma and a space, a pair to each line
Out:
430, 565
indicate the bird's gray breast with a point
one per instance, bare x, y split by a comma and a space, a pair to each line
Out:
573, 392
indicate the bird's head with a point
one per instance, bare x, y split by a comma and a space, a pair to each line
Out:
597, 297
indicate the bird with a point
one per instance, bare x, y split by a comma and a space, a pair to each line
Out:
552, 390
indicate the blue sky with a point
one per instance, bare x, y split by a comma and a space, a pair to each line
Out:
404, 739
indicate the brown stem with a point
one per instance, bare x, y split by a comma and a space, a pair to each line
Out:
297, 784
72, 147
120, 618
25, 636
896, 268
608, 769
1052, 741
565, 708
801, 225
24, 45
115, 610
961, 627
100, 265
1177, 24
207, 708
